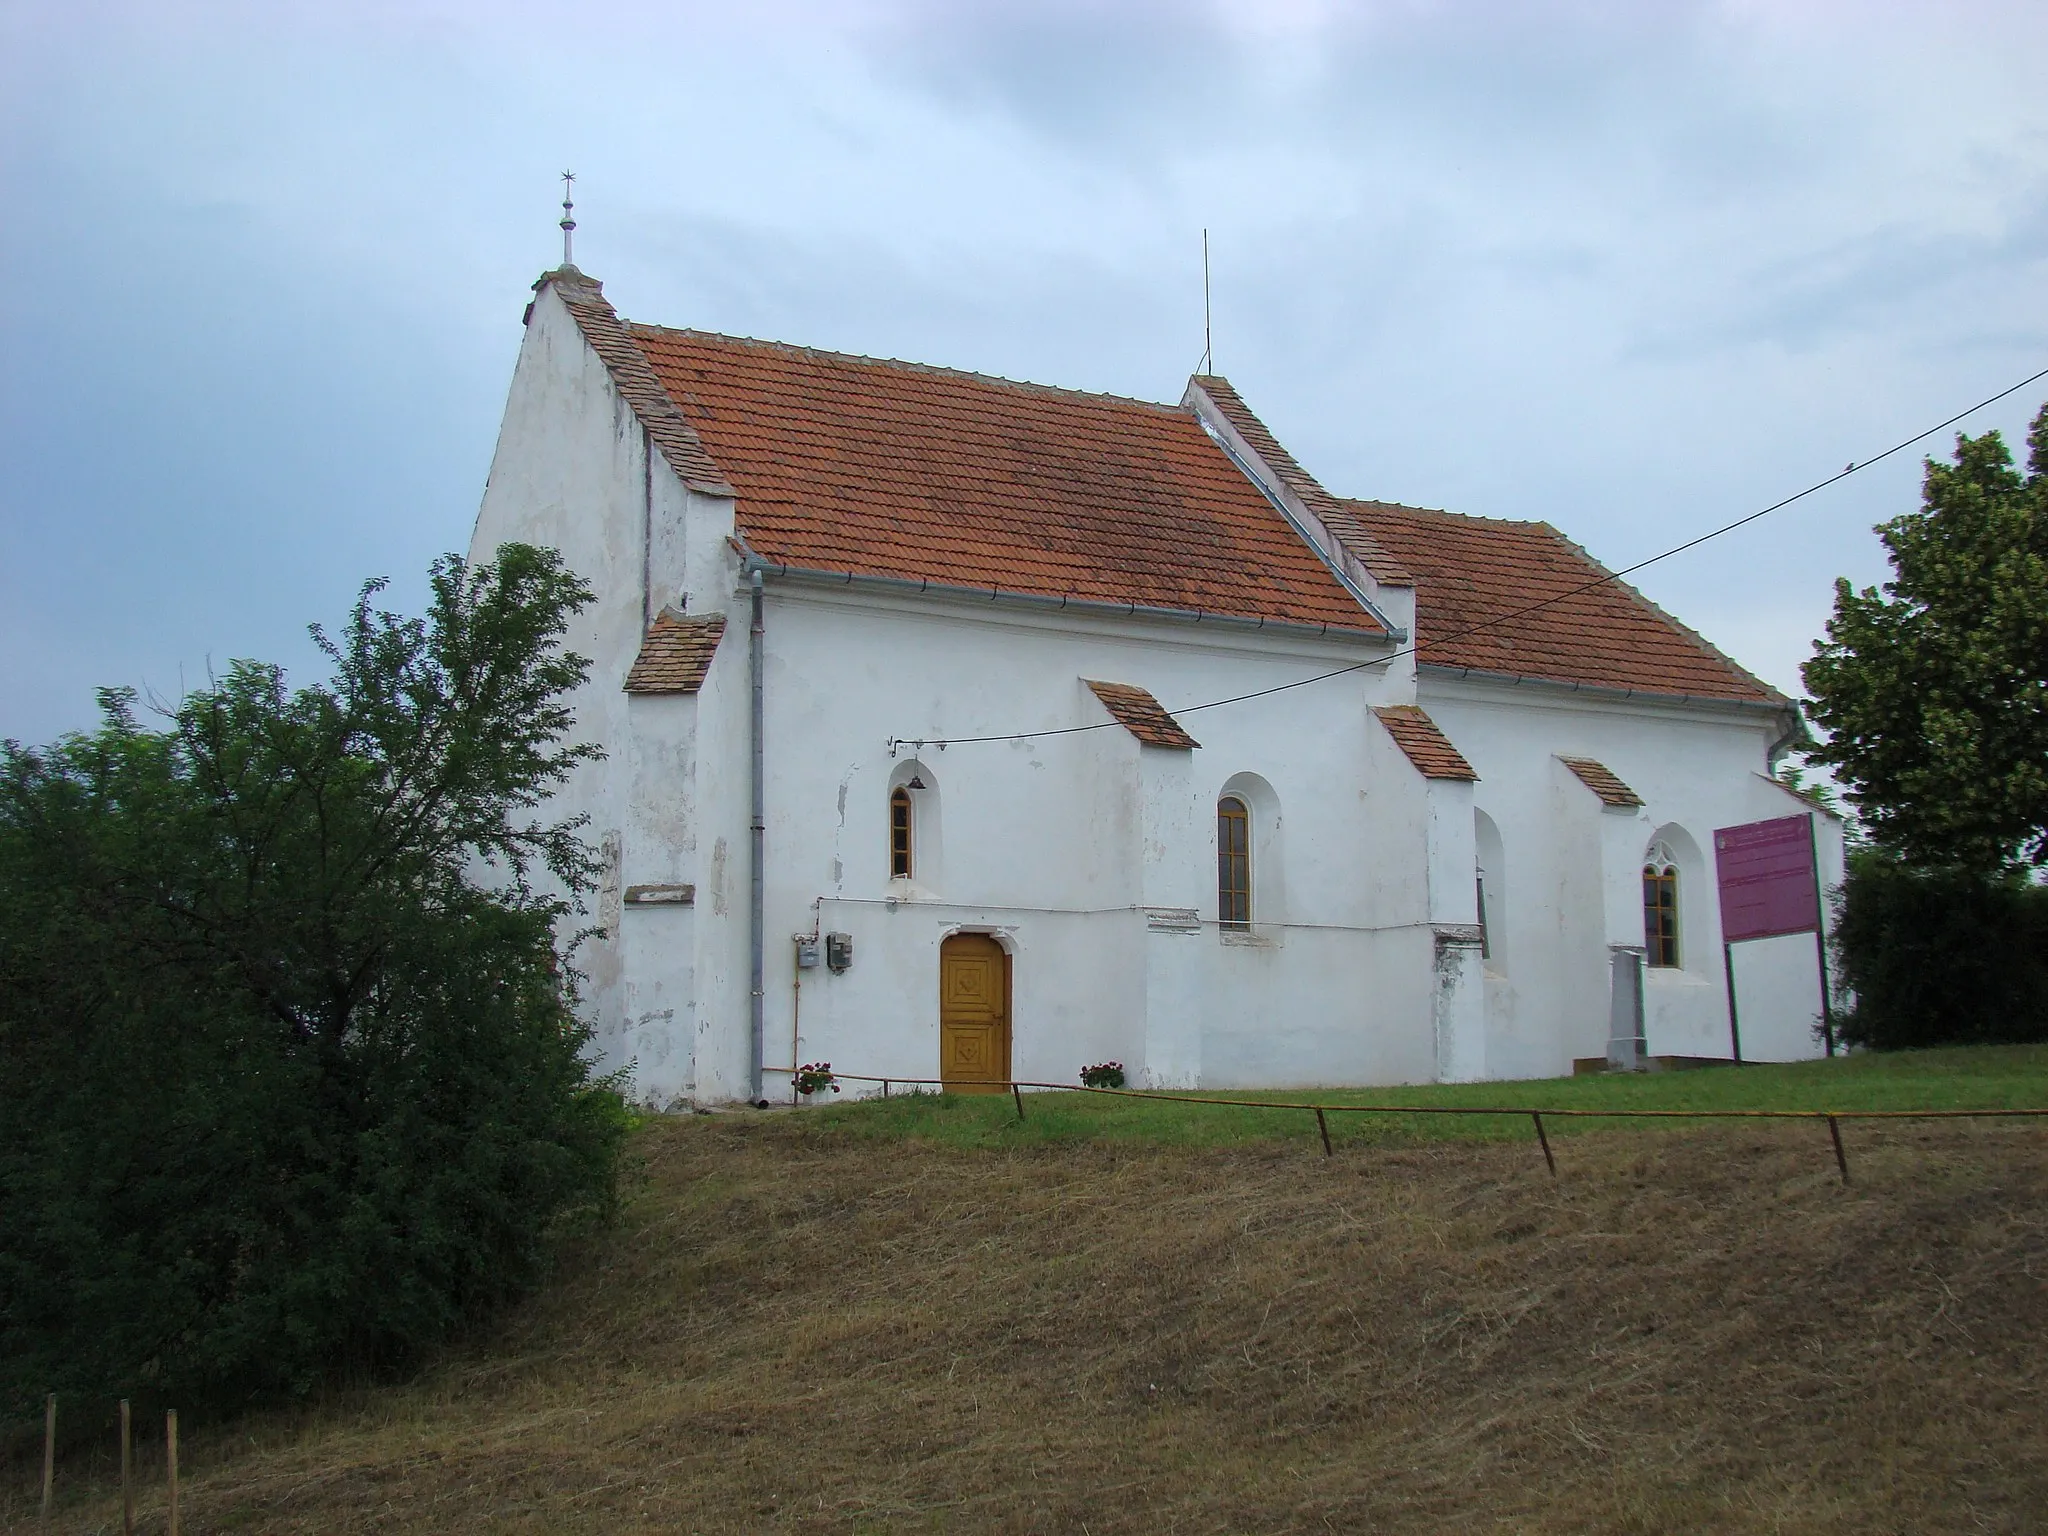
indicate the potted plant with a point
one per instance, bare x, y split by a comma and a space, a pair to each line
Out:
813, 1077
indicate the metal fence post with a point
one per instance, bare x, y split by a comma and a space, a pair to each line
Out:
49, 1454
127, 1472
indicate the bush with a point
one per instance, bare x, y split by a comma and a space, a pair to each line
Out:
285, 1094
1940, 956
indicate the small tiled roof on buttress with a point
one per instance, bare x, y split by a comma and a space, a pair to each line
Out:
1604, 782
1428, 748
675, 654
1477, 581
1142, 715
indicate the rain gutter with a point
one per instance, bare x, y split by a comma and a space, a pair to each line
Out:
1784, 709
900, 586
757, 833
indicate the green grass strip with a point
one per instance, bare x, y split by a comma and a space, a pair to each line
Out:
1973, 1078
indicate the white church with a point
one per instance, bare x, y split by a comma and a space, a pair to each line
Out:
973, 731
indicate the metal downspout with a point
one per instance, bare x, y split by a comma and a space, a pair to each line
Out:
758, 834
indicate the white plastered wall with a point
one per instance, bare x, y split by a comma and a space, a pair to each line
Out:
572, 472
1083, 852
1572, 886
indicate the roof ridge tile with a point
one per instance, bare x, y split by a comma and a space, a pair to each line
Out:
908, 365
1375, 503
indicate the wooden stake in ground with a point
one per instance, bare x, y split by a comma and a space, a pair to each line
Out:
127, 1478
171, 1460
49, 1453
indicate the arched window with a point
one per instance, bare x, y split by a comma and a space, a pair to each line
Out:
1660, 906
899, 833
1233, 863
1491, 880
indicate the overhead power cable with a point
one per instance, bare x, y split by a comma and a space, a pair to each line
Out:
1854, 467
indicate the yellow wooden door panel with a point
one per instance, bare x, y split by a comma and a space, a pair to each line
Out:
974, 1009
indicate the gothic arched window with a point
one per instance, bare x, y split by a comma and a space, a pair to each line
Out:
1660, 907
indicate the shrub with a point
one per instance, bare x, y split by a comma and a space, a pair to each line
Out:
1940, 956
1107, 1074
285, 1094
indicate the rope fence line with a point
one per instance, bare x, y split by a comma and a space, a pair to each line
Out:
1536, 1117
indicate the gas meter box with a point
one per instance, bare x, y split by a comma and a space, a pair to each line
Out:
806, 951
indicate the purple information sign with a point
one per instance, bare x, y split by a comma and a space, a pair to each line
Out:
1767, 879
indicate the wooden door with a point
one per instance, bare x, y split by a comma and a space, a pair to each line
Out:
974, 1014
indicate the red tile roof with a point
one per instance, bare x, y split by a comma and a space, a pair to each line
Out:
878, 468
675, 655
1475, 575
1142, 715
1428, 748
895, 469
1601, 779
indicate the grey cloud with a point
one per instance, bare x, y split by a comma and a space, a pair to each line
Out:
1920, 277
1634, 269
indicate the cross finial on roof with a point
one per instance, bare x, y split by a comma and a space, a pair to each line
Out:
568, 216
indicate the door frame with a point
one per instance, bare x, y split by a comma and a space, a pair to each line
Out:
1007, 946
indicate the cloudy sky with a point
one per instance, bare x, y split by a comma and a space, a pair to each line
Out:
1636, 269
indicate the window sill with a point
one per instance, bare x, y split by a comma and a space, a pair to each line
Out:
1253, 938
1672, 976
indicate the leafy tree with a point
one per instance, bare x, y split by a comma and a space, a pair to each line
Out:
290, 1081
1934, 691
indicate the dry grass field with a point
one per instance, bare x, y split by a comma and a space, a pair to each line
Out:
800, 1329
